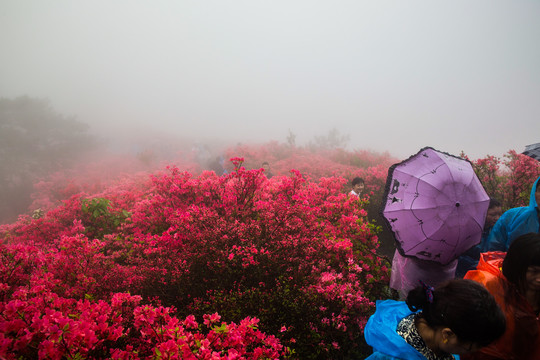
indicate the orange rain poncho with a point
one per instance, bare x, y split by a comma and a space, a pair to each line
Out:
521, 339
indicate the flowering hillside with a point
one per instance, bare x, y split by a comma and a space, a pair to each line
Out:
130, 262
229, 267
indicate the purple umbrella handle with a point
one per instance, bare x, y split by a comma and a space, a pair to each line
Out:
429, 291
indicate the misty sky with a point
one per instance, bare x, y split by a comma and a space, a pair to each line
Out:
394, 75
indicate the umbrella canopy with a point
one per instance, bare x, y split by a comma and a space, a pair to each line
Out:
435, 205
533, 151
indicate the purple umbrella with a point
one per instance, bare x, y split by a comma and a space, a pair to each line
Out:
435, 205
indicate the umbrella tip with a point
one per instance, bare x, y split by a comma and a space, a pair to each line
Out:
458, 204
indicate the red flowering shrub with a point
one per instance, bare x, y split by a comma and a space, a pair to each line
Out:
37, 323
522, 172
510, 179
317, 162
191, 265
291, 257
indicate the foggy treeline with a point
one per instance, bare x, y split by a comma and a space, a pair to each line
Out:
36, 140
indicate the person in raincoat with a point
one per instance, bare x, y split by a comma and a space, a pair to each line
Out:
457, 317
515, 222
514, 280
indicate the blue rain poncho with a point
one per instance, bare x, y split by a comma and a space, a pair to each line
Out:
380, 333
514, 223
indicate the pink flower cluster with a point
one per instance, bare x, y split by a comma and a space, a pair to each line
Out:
37, 323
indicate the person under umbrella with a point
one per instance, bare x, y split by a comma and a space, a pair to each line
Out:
470, 258
436, 207
407, 270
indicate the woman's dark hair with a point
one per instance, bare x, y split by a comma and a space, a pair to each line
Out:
357, 180
464, 306
522, 253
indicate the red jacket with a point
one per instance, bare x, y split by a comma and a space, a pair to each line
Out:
521, 340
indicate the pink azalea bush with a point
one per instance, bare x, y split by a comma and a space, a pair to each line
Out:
509, 179
316, 162
219, 267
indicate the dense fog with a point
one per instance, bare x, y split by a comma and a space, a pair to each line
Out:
391, 76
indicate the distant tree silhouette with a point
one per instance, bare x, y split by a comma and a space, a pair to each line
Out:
332, 140
291, 139
34, 140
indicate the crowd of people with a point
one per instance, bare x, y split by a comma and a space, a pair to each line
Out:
485, 304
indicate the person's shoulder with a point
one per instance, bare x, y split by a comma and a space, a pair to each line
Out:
380, 332
507, 220
513, 213
389, 311
484, 277
389, 303
380, 356
488, 272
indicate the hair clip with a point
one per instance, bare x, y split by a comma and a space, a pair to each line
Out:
429, 291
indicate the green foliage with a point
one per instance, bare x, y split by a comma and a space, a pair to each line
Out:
99, 219
95, 207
